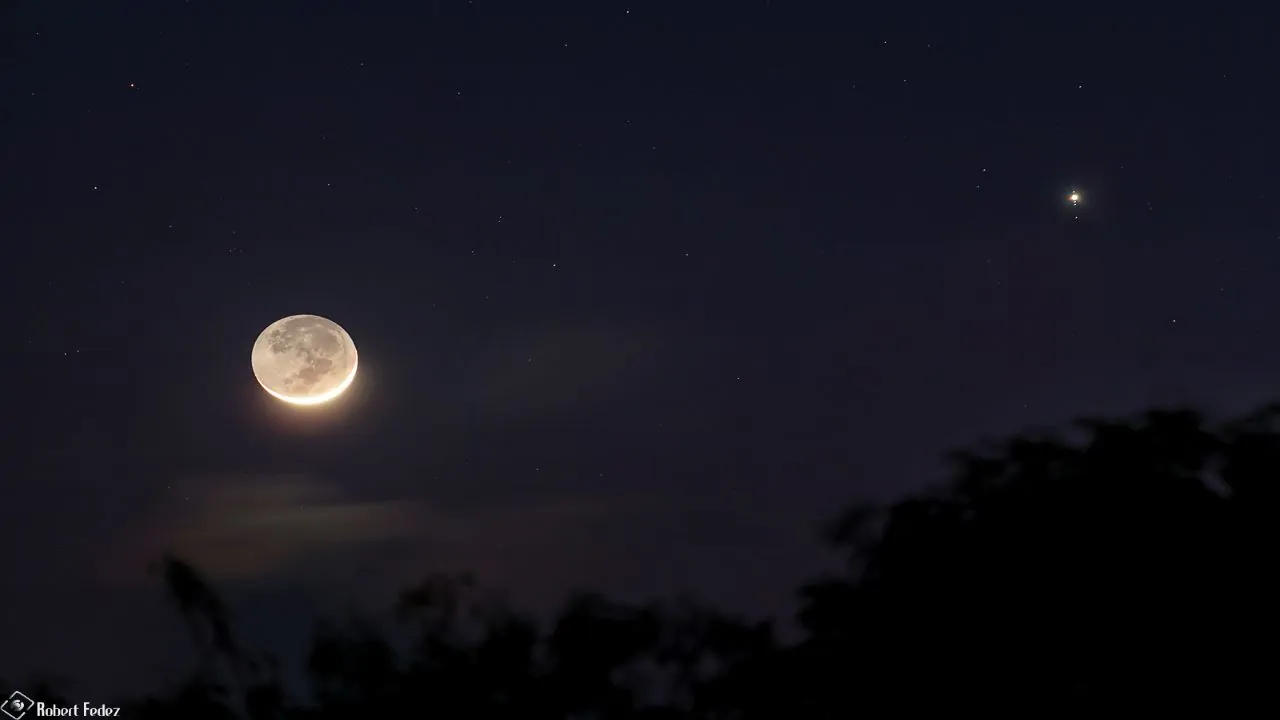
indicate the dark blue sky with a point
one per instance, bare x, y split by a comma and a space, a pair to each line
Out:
644, 292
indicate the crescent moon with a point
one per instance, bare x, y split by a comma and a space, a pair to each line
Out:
317, 399
304, 360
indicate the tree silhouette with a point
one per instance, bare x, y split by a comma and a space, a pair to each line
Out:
1053, 572
1116, 564
228, 681
203, 611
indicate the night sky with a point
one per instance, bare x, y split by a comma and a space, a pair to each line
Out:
644, 293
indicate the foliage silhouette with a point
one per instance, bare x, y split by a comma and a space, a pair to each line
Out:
1115, 564
1056, 572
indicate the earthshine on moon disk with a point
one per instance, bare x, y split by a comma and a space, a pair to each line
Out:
304, 359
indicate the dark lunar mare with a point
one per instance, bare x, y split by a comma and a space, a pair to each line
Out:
317, 341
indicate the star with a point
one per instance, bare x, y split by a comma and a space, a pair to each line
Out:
1074, 197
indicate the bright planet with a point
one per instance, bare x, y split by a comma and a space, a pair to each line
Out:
304, 359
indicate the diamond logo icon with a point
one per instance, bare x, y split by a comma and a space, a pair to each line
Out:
16, 705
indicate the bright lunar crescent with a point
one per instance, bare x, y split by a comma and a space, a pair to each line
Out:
304, 359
